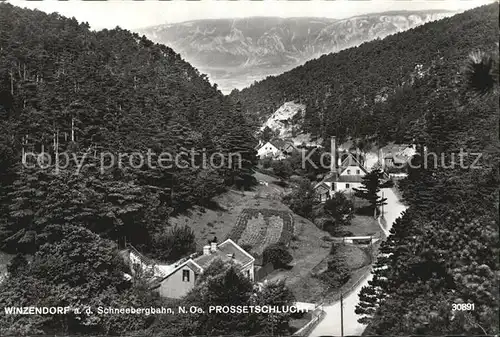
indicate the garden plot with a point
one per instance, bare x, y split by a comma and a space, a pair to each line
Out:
259, 228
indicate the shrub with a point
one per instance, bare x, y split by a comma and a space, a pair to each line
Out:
175, 243
336, 273
282, 168
266, 163
278, 255
283, 184
342, 233
247, 248
301, 200
340, 209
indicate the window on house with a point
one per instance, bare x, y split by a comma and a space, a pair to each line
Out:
347, 185
248, 273
358, 172
348, 171
185, 276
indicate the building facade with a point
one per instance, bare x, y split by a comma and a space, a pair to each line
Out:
176, 280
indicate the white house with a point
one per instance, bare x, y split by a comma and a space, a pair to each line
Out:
275, 149
268, 150
176, 280
345, 178
350, 176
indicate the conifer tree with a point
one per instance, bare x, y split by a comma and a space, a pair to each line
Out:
370, 190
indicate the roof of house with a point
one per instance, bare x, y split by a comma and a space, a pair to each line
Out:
188, 263
351, 161
335, 177
262, 145
194, 266
224, 251
323, 185
278, 144
330, 177
350, 179
288, 145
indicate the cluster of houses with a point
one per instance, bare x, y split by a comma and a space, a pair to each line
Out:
276, 149
346, 174
177, 279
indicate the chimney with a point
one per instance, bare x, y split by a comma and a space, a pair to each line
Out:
333, 155
213, 246
206, 250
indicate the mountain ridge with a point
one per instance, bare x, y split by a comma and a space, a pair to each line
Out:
365, 82
235, 52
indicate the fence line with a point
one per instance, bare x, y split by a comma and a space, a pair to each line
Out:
315, 320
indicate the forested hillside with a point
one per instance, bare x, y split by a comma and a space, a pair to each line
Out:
371, 90
122, 94
437, 274
67, 89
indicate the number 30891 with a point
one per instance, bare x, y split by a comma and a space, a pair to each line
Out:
462, 306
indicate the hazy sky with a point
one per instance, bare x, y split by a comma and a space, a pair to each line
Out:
132, 14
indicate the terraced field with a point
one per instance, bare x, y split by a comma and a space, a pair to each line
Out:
259, 228
254, 231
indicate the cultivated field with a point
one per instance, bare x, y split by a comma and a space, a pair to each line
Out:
259, 228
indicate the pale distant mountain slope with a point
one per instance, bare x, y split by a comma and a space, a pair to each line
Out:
236, 52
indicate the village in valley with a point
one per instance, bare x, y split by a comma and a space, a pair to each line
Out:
253, 223
323, 200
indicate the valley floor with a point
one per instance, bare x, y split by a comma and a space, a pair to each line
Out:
310, 246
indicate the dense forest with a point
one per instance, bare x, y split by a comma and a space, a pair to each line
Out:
371, 91
67, 89
64, 88
443, 251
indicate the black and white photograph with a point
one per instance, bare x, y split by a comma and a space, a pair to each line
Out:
309, 168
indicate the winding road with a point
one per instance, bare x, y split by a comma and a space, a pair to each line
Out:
330, 325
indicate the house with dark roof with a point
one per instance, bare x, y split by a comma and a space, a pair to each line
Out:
275, 149
343, 176
176, 280
392, 160
181, 279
